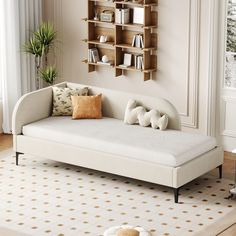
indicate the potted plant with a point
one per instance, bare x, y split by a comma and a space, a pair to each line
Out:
48, 74
39, 45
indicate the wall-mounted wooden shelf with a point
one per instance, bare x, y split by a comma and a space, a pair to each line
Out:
137, 26
100, 22
120, 36
132, 68
96, 64
97, 42
128, 46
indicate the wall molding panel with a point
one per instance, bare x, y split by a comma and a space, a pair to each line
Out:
190, 117
213, 68
225, 115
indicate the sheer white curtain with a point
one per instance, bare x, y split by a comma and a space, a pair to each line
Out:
30, 18
9, 59
17, 19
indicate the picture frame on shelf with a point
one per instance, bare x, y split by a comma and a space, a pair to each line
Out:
138, 15
107, 16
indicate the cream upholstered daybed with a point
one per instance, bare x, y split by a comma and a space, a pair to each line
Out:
170, 157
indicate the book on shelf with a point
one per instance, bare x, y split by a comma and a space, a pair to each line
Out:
125, 16
138, 41
138, 62
93, 55
135, 59
118, 16
127, 60
89, 55
122, 16
133, 41
141, 41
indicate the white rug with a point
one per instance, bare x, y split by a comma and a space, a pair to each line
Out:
42, 197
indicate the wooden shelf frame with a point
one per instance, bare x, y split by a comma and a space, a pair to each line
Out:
97, 42
130, 25
151, 4
137, 4
120, 37
96, 64
128, 46
132, 68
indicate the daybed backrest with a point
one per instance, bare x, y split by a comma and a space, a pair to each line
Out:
114, 104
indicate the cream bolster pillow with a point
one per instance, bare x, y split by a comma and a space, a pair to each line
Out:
138, 115
62, 105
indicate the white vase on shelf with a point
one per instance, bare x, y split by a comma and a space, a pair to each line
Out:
105, 59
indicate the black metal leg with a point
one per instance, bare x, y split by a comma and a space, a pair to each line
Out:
17, 157
220, 171
176, 193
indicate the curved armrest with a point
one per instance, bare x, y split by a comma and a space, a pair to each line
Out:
31, 107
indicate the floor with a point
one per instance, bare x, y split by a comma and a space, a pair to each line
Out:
6, 143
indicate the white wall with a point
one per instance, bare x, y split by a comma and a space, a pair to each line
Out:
184, 52
1, 117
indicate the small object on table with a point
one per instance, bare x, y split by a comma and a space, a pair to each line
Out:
233, 190
126, 230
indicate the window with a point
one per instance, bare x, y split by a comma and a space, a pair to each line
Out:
230, 69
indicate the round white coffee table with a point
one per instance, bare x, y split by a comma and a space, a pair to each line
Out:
233, 190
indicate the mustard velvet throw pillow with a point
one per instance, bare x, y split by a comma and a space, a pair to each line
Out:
62, 105
87, 107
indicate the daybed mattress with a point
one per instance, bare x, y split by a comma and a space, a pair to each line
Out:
170, 147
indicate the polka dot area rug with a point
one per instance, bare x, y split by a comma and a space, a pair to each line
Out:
44, 197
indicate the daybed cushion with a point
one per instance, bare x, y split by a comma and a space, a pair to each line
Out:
169, 147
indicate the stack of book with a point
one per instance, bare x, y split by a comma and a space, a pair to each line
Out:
138, 62
93, 55
122, 16
138, 41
